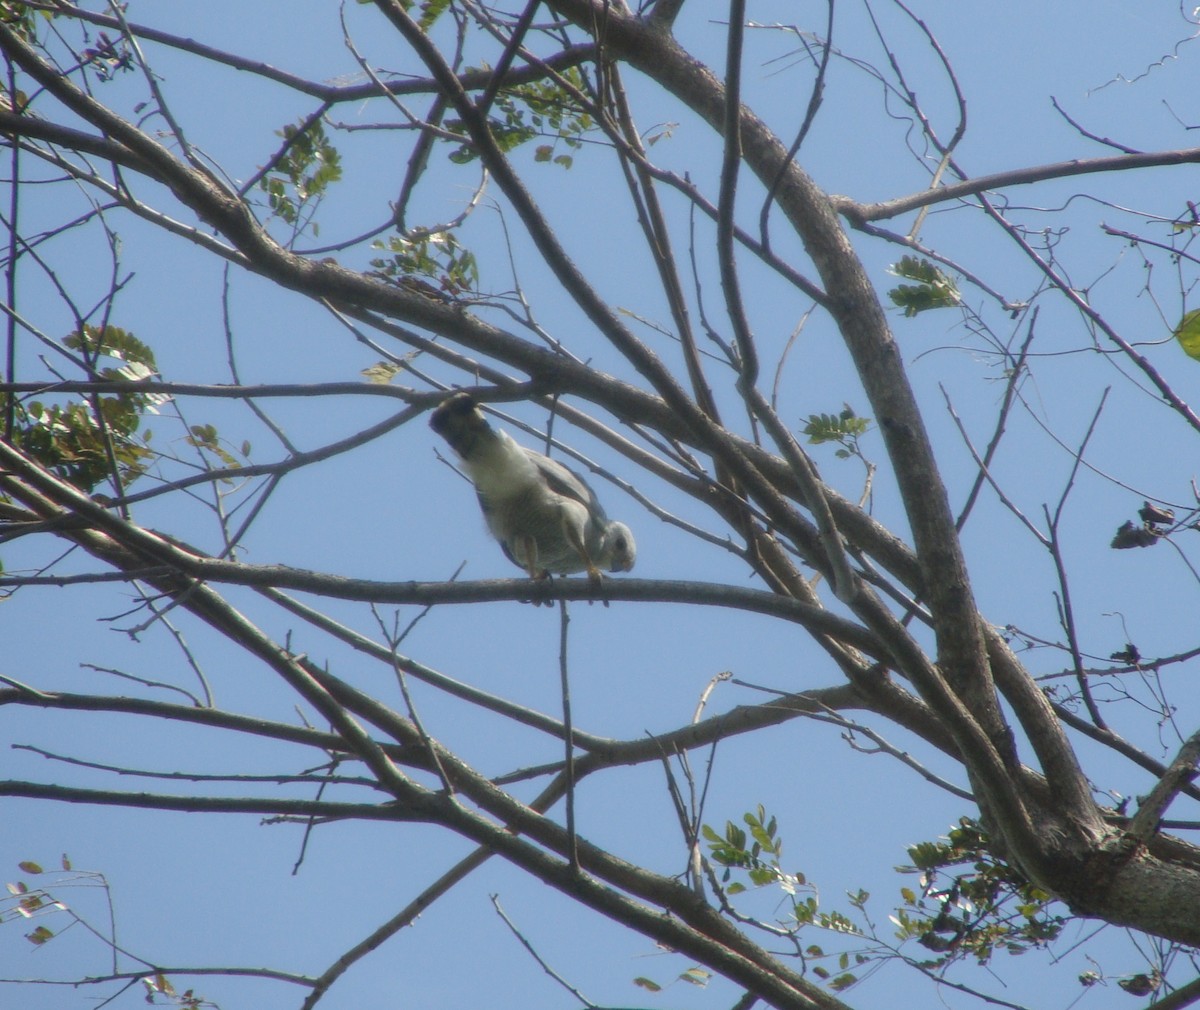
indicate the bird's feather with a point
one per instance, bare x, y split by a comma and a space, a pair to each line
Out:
545, 516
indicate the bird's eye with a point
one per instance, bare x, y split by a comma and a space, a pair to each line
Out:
620, 544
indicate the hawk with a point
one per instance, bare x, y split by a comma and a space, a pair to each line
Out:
545, 516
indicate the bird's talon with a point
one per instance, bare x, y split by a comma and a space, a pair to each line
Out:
596, 579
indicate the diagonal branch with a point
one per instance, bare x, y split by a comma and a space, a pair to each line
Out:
1144, 823
859, 213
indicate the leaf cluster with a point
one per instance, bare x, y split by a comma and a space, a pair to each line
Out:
30, 902
757, 850
302, 174
758, 853
19, 17
437, 255
207, 439
844, 428
935, 289
537, 109
971, 902
80, 440
107, 57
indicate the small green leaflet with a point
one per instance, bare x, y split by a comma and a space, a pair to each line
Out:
1188, 333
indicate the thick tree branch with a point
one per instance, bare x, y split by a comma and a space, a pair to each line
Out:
961, 645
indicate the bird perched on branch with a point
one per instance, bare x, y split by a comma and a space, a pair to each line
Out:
545, 516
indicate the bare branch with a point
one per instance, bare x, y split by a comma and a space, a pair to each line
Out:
1180, 773
862, 212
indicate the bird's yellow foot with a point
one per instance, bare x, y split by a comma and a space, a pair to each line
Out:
596, 578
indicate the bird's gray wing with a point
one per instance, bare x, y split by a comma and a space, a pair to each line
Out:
568, 483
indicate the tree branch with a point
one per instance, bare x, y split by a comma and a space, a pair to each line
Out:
1150, 811
859, 213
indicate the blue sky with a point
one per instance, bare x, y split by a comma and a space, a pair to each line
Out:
193, 890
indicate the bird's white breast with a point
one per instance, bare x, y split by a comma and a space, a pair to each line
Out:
500, 468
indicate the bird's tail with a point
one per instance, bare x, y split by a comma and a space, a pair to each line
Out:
460, 422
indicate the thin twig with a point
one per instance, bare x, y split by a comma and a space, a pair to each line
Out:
568, 733
495, 898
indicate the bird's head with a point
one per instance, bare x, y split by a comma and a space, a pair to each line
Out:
620, 552
460, 422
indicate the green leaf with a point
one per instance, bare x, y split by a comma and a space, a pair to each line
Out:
1188, 334
934, 289
204, 434
431, 10
762, 837
842, 982
381, 373
648, 984
39, 936
696, 976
